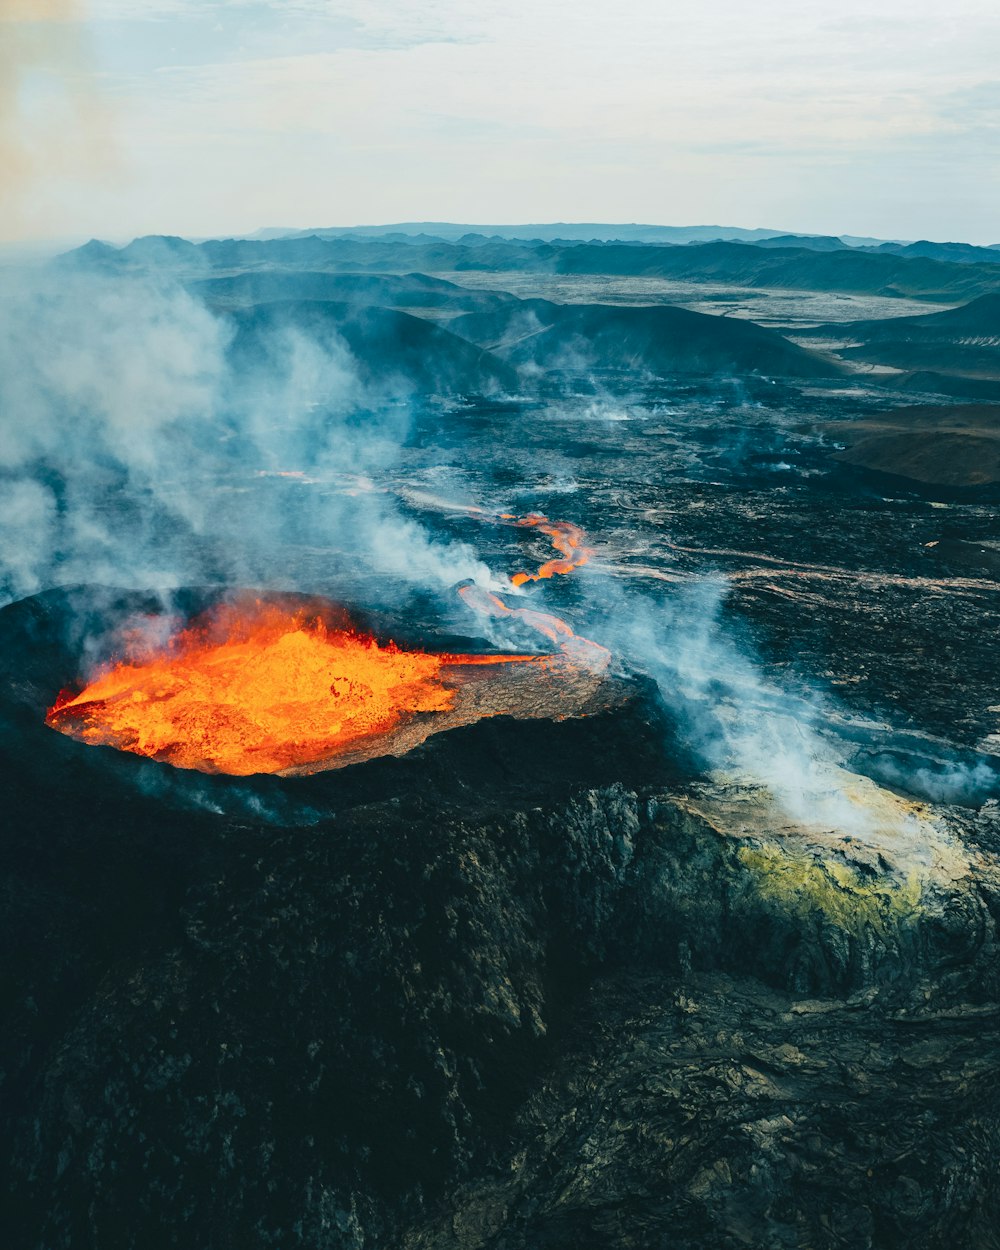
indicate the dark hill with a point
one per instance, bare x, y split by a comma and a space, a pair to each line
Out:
392, 350
412, 290
961, 341
978, 316
658, 340
950, 447
966, 360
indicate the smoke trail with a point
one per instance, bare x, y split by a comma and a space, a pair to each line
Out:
53, 123
133, 443
953, 781
751, 730
737, 722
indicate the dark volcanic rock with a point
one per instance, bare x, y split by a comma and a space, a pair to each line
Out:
222, 1029
476, 998
717, 1114
953, 446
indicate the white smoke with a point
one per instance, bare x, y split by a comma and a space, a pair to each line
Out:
947, 781
27, 523
737, 722
131, 439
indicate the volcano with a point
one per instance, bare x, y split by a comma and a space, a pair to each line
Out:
623, 872
394, 981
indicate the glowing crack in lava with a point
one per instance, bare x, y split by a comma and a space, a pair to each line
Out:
253, 687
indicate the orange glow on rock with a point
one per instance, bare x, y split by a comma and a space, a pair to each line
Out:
258, 689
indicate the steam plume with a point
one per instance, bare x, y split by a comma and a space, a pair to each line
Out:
132, 448
740, 724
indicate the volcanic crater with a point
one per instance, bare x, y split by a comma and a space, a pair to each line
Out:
417, 955
283, 684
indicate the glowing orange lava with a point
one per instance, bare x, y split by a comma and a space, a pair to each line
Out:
566, 538
258, 689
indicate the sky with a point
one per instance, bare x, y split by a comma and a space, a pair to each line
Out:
214, 117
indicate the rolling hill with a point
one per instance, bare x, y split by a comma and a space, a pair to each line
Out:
962, 342
391, 351
656, 340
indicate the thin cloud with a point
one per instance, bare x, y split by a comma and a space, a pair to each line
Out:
388, 109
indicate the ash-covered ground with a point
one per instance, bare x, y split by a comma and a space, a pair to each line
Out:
713, 965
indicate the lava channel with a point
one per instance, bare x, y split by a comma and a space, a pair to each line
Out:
567, 538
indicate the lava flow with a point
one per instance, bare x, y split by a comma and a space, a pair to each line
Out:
566, 538
254, 687
259, 689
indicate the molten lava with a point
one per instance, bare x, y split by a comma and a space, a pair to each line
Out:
566, 538
258, 689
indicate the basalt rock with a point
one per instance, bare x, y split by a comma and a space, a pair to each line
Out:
527, 986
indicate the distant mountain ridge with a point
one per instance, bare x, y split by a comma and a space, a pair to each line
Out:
961, 253
798, 264
545, 232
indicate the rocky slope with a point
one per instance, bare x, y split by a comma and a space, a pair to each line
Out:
558, 991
